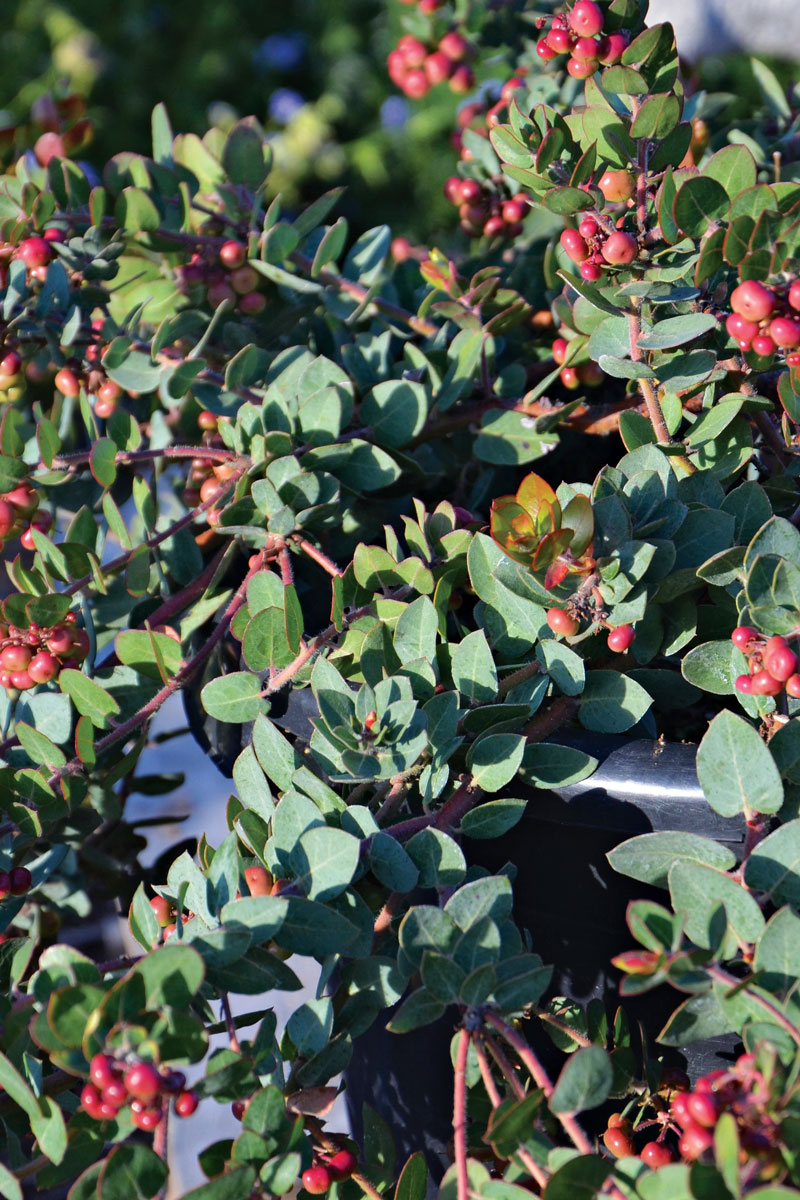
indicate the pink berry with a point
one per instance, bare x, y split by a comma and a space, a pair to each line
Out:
702, 1108
782, 664
793, 687
620, 249
559, 40
186, 1103
559, 349
545, 51
585, 49
763, 346
794, 294
752, 300
143, 1081
233, 254
588, 228
586, 18
743, 635
612, 51
438, 67
581, 69
785, 332
621, 638
574, 246
694, 1141
744, 684
34, 252
101, 1070
740, 328
763, 684
454, 46
591, 271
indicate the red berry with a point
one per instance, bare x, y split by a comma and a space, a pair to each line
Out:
494, 226
24, 498
744, 684
574, 246
8, 518
238, 1108
743, 635
416, 84
561, 622
471, 191
740, 328
586, 18
763, 346
54, 235
462, 79
793, 687
617, 186
342, 1165
620, 249
454, 46
115, 1093
678, 1110
143, 1081
586, 49
253, 302
621, 638
15, 658
59, 640
570, 378
186, 1103
763, 684
618, 1142
560, 348
656, 1155
752, 300
612, 49
232, 254
694, 1141
20, 880
514, 211
581, 69
559, 40
587, 228
34, 252
591, 271
162, 909
794, 294
10, 364
101, 1070
782, 664
785, 332
259, 880
90, 1101
148, 1119
544, 51
702, 1108
316, 1180
437, 67
67, 382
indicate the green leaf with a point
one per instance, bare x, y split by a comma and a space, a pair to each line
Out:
736, 770
493, 819
243, 155
545, 765
676, 331
510, 1125
611, 702
734, 167
438, 858
472, 665
233, 698
580, 1178
396, 410
90, 699
313, 928
585, 1081
713, 666
132, 1171
697, 890
649, 856
657, 116
419, 1009
235, 1184
413, 1181
778, 952
360, 466
325, 861
699, 202
390, 863
494, 760
146, 651
774, 865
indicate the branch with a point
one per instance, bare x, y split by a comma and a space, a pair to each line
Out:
460, 1115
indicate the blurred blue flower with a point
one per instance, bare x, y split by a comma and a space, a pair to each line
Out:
394, 112
281, 51
283, 104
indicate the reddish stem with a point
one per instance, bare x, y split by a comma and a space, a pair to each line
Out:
460, 1115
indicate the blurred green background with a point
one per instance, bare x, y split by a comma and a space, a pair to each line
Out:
311, 70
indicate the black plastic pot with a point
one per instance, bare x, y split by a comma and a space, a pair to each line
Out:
574, 905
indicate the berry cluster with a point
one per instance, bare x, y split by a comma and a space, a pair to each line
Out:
115, 1084
593, 249
38, 654
485, 214
579, 34
415, 68
425, 6
333, 1169
207, 478
564, 624
766, 319
226, 275
15, 882
772, 666
589, 373
482, 114
20, 515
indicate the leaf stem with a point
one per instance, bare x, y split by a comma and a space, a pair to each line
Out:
460, 1115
